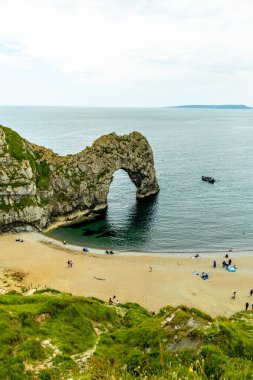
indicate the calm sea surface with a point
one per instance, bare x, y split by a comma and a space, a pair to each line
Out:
188, 214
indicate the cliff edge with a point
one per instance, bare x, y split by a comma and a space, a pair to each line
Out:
39, 187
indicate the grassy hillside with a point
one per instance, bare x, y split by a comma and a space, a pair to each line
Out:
51, 335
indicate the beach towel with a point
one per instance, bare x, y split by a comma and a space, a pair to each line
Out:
231, 268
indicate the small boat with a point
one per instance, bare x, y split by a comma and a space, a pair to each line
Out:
208, 179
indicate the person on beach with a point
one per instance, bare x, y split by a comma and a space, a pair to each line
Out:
233, 296
204, 276
68, 263
251, 292
229, 262
64, 242
214, 263
246, 306
110, 301
226, 256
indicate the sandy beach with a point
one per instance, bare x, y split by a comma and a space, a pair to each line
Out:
152, 281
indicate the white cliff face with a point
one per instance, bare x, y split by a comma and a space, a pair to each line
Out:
37, 186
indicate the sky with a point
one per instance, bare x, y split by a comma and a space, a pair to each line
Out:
126, 53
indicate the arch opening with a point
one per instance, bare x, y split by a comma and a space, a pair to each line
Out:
121, 197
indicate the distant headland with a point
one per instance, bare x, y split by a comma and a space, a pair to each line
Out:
215, 106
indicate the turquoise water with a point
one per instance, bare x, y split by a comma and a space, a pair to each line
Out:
188, 214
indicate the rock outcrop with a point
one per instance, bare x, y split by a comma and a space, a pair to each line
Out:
39, 187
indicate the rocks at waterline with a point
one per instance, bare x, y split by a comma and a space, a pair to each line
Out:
39, 187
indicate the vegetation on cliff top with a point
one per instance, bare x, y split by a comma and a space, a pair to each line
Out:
51, 335
17, 149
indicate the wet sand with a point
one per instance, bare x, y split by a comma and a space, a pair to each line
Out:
152, 281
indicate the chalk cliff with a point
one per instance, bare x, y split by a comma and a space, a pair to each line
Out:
38, 187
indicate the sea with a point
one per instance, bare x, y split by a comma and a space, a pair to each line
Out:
188, 215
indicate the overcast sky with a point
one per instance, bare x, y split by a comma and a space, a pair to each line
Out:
126, 52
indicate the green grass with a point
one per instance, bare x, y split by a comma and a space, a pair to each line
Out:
15, 144
43, 175
24, 201
14, 184
58, 328
66, 321
18, 150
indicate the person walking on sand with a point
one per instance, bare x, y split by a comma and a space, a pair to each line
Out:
214, 263
246, 306
233, 296
251, 292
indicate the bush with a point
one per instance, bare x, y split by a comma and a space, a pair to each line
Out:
31, 349
214, 362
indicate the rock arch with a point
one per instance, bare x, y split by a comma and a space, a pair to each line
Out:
38, 187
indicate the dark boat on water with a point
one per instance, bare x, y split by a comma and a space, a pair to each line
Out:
208, 179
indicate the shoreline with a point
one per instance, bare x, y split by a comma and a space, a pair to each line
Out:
153, 281
177, 253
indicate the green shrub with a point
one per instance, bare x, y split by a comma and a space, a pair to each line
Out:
43, 175
49, 374
31, 349
214, 362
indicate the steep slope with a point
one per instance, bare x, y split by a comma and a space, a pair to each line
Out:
51, 335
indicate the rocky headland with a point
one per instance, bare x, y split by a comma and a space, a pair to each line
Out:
38, 187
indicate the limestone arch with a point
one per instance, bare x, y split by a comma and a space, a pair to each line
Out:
47, 186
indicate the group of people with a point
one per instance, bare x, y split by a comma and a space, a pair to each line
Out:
109, 252
226, 264
113, 300
247, 303
204, 276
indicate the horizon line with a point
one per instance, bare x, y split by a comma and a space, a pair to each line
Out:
130, 106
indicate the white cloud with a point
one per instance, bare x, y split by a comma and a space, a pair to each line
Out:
134, 41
